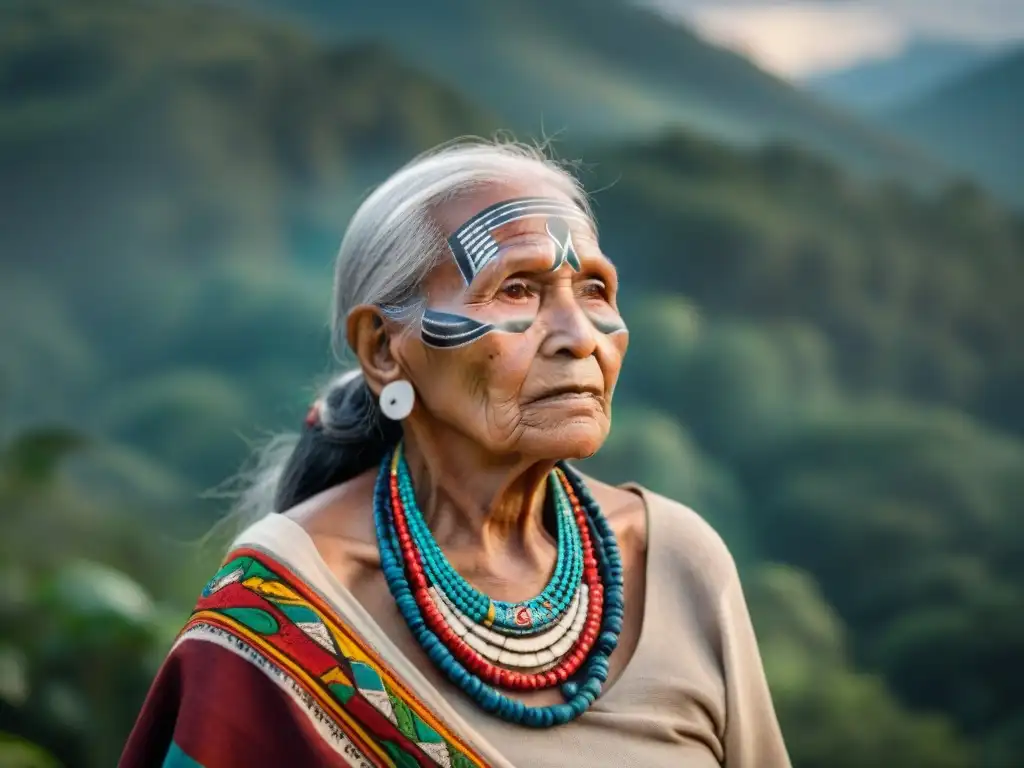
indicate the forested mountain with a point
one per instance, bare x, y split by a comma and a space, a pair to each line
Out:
164, 166
587, 68
825, 368
916, 296
975, 123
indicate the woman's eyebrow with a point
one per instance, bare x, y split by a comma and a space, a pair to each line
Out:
528, 258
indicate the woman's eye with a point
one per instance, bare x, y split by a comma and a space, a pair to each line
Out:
516, 290
595, 289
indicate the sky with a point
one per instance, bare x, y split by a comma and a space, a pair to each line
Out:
802, 38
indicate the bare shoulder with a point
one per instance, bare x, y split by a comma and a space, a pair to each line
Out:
340, 523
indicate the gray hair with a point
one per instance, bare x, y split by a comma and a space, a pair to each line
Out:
392, 243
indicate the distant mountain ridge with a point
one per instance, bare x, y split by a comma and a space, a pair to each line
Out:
975, 123
603, 69
889, 83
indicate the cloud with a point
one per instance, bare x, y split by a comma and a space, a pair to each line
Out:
795, 39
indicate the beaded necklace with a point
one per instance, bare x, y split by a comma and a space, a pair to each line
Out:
567, 644
513, 618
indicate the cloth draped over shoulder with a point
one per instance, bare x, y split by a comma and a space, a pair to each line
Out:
280, 666
265, 673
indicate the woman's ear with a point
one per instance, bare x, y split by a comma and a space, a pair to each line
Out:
369, 336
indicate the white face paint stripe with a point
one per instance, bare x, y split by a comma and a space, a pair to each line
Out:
482, 221
481, 257
455, 339
446, 330
484, 238
487, 217
470, 238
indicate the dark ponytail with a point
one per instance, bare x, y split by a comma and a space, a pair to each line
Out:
345, 435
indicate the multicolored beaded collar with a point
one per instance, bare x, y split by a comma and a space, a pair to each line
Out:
562, 637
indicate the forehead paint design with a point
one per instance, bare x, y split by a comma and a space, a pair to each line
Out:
473, 246
558, 230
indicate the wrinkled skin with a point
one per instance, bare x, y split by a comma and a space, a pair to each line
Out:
491, 418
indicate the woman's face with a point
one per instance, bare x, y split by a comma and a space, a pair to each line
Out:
521, 342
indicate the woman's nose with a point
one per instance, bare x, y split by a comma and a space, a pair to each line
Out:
570, 331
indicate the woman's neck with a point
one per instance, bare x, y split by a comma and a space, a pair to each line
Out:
473, 500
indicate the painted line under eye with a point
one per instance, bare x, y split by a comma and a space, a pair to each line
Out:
447, 330
607, 326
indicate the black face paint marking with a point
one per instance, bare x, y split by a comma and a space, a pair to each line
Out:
472, 244
446, 330
558, 230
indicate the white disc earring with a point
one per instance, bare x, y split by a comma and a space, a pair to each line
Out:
396, 399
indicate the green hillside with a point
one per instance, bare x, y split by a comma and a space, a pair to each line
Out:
79, 85
601, 68
159, 162
827, 369
975, 123
916, 296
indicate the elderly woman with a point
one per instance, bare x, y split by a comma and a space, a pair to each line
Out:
439, 586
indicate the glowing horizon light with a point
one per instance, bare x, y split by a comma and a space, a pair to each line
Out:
795, 40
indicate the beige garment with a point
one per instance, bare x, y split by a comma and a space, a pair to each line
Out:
694, 694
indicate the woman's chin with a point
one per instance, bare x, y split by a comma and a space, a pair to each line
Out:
571, 438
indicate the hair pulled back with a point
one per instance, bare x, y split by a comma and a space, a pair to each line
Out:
391, 244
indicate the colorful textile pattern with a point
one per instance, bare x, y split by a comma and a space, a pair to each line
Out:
258, 609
